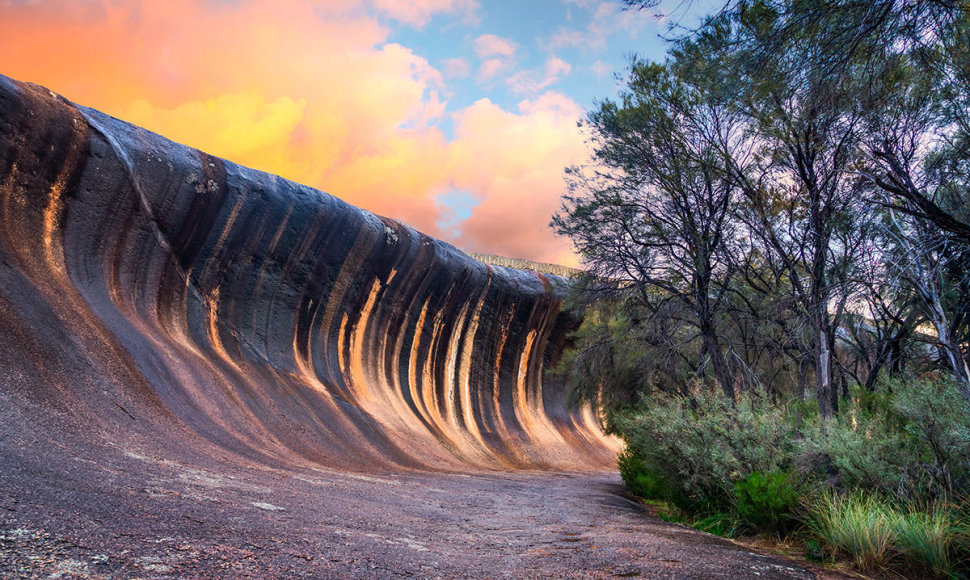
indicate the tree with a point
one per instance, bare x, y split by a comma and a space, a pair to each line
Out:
787, 195
799, 192
651, 211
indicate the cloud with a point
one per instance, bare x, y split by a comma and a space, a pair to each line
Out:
608, 18
241, 126
418, 13
454, 207
492, 68
490, 45
457, 68
497, 55
531, 82
519, 187
602, 69
314, 92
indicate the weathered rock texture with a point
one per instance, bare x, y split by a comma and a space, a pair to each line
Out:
152, 293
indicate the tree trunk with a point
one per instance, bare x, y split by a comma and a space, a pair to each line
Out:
952, 353
802, 379
823, 376
721, 371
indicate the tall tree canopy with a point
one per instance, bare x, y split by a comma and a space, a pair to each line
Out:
791, 189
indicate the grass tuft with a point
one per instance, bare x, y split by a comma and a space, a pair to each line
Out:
860, 526
925, 538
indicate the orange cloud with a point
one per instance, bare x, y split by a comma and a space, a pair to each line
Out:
242, 126
312, 91
520, 185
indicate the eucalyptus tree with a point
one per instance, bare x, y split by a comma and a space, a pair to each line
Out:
922, 261
900, 71
651, 210
916, 157
880, 331
800, 195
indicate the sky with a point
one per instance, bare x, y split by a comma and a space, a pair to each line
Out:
457, 117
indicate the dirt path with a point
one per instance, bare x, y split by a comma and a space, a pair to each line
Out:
127, 515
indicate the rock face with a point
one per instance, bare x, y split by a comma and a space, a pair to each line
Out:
155, 297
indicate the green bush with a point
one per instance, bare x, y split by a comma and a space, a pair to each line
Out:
701, 446
858, 449
935, 417
909, 440
767, 503
730, 466
639, 479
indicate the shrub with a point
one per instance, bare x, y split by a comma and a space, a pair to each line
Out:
910, 439
860, 526
767, 503
936, 418
861, 448
639, 479
700, 447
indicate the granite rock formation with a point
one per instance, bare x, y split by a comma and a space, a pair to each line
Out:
153, 297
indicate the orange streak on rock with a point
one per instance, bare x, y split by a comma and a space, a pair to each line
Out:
52, 219
414, 380
358, 365
464, 372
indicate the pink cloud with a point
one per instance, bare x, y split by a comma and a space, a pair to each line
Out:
417, 13
520, 186
457, 68
497, 56
490, 45
531, 82
602, 69
492, 68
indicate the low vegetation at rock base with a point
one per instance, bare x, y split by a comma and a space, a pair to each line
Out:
881, 486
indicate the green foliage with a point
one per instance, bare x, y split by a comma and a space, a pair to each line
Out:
639, 479
873, 531
862, 448
738, 467
926, 538
767, 502
936, 419
859, 526
909, 439
616, 357
826, 144
720, 524
704, 444
672, 516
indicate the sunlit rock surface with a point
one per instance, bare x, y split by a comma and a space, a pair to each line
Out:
157, 299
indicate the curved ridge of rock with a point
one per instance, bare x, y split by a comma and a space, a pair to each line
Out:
156, 297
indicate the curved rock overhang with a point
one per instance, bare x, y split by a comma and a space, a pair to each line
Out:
154, 295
